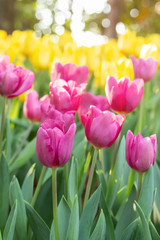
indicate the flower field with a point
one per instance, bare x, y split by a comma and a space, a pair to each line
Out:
79, 138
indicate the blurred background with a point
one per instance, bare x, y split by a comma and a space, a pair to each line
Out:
89, 21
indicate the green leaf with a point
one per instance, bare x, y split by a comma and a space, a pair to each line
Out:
24, 156
63, 210
153, 231
99, 231
73, 227
110, 235
39, 227
4, 190
21, 222
145, 226
10, 224
101, 177
8, 139
133, 232
72, 182
27, 187
116, 175
146, 194
126, 215
88, 215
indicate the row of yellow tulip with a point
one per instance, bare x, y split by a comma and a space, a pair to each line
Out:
111, 58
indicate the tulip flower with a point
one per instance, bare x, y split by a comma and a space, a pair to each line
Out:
89, 99
54, 142
140, 152
69, 72
4, 60
124, 95
102, 127
15, 80
65, 96
144, 68
31, 107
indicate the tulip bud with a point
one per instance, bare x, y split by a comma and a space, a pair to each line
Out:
31, 107
124, 95
144, 68
140, 152
102, 127
70, 72
89, 99
54, 142
14, 80
65, 96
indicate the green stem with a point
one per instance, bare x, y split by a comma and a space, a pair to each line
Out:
2, 123
131, 180
38, 185
90, 176
140, 116
101, 160
140, 175
21, 144
66, 177
54, 199
116, 144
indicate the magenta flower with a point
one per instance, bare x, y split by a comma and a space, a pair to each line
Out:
124, 95
54, 142
102, 127
14, 80
89, 99
140, 152
70, 72
144, 68
65, 96
31, 107
4, 60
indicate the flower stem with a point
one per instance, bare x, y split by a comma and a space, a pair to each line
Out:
131, 180
21, 144
38, 185
101, 160
140, 116
66, 177
116, 144
54, 199
140, 175
2, 123
88, 188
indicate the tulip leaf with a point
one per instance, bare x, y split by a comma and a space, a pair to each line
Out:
0, 236
109, 224
63, 210
101, 177
21, 222
146, 194
27, 187
24, 156
116, 175
153, 231
72, 182
4, 190
38, 226
88, 215
156, 184
73, 227
126, 215
146, 231
8, 139
133, 232
9, 229
99, 231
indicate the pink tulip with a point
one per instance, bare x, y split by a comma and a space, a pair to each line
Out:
15, 80
48, 111
89, 99
54, 142
144, 68
102, 127
69, 72
31, 107
65, 96
4, 60
140, 152
124, 95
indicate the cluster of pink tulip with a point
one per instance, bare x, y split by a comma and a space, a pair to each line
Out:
67, 95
